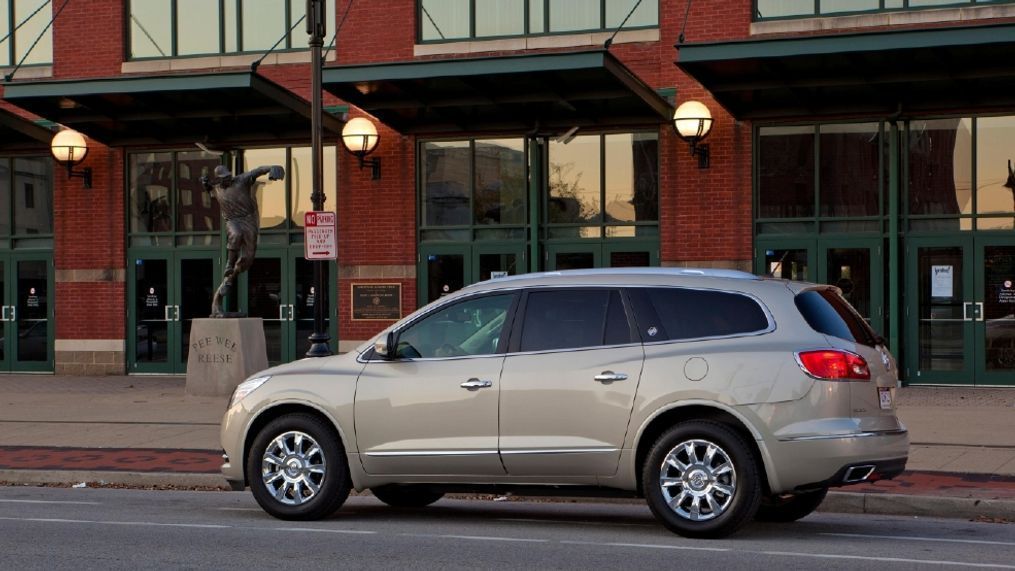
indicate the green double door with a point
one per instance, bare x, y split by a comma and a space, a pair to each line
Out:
168, 291
960, 303
27, 308
279, 288
171, 289
855, 265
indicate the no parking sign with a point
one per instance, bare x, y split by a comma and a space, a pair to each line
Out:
320, 241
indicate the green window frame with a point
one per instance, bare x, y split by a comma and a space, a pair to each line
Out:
461, 20
764, 10
812, 168
21, 23
170, 28
26, 201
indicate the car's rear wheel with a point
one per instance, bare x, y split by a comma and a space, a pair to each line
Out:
792, 508
406, 495
701, 480
297, 468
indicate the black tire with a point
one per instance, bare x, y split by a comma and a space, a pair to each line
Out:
785, 510
406, 495
729, 478
306, 475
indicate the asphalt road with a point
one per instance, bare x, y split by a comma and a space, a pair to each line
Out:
62, 528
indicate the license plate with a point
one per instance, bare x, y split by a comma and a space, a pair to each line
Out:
885, 396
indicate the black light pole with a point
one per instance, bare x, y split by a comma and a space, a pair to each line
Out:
316, 29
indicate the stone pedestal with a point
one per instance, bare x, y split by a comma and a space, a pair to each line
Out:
224, 352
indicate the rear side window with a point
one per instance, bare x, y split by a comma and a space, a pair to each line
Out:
666, 314
826, 312
566, 319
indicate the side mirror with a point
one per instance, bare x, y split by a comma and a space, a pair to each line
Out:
386, 347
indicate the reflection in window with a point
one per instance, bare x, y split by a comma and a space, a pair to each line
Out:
26, 188
940, 167
574, 181
301, 182
499, 196
193, 27
993, 160
30, 31
150, 179
471, 327
786, 172
446, 183
565, 319
833, 6
632, 177
782, 8
850, 163
269, 194
574, 15
456, 20
192, 217
767, 9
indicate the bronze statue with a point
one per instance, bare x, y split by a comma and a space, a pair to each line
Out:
240, 213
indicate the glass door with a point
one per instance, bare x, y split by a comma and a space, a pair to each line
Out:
27, 313
573, 256
443, 269
497, 260
994, 311
787, 259
941, 310
855, 267
169, 290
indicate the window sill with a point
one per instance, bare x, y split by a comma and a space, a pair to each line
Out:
536, 42
217, 61
883, 19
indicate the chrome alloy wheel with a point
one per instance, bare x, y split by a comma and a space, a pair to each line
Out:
698, 480
293, 467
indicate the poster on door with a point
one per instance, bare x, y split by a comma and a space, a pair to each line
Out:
1006, 293
941, 281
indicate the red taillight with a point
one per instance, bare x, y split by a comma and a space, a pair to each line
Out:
832, 365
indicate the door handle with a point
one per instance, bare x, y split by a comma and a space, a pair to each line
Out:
292, 312
476, 384
281, 312
176, 312
978, 313
3, 312
610, 376
167, 309
14, 313
965, 311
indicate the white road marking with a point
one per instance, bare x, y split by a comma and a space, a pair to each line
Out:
240, 509
494, 538
912, 538
320, 530
648, 546
48, 502
884, 559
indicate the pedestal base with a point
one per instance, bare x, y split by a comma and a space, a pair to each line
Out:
224, 352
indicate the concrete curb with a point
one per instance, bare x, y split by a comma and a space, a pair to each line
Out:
918, 506
127, 479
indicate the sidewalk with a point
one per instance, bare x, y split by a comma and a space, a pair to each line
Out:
145, 431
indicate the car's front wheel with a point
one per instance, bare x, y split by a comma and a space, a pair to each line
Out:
297, 468
406, 495
701, 480
791, 508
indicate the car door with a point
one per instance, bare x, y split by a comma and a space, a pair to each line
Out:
569, 383
432, 408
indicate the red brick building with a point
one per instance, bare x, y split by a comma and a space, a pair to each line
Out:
857, 142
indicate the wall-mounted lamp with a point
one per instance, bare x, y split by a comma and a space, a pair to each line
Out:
360, 138
693, 122
70, 148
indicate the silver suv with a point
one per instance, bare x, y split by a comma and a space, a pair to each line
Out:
718, 396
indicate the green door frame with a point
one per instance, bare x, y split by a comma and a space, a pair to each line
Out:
877, 277
631, 245
1005, 377
808, 244
440, 249
914, 374
519, 250
573, 247
13, 314
175, 362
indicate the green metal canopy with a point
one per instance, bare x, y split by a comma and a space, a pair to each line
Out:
218, 109
941, 70
19, 134
532, 92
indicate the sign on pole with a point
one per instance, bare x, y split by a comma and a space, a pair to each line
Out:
320, 240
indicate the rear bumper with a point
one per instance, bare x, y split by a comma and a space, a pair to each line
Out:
799, 464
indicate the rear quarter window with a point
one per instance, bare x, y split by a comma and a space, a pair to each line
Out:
666, 314
827, 312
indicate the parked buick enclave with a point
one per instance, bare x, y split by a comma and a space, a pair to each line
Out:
718, 396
